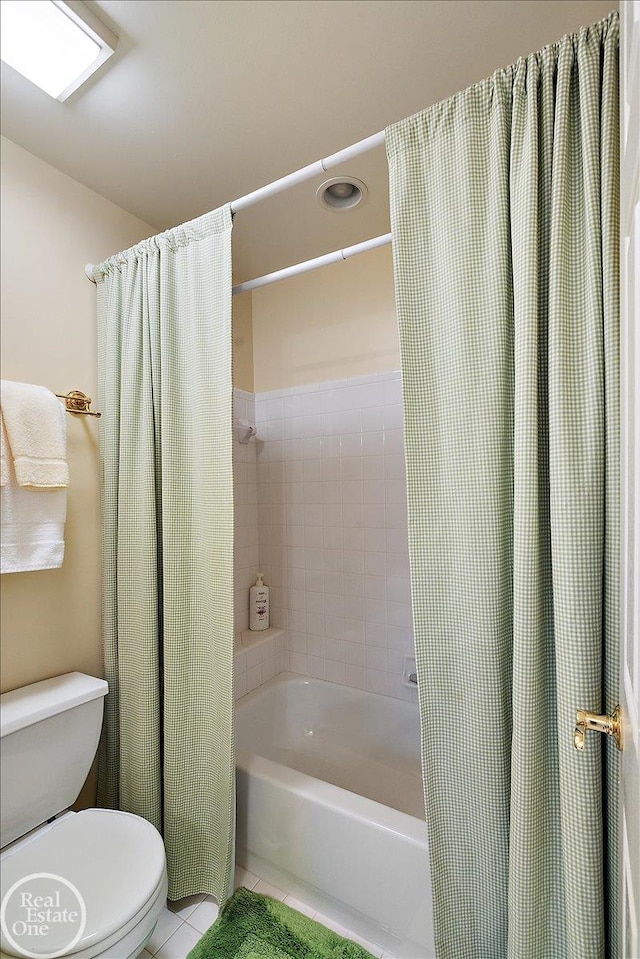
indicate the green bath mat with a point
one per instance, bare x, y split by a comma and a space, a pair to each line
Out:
252, 926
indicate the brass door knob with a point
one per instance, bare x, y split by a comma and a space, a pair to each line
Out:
610, 725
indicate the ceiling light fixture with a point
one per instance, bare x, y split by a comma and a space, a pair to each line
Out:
55, 44
341, 193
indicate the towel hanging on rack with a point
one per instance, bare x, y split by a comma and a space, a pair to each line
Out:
34, 476
37, 435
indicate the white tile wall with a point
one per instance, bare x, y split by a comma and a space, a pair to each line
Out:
332, 518
257, 658
245, 489
261, 655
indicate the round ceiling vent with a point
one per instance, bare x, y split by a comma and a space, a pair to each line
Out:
341, 193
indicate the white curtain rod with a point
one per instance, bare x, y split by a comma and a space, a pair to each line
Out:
313, 264
299, 176
307, 172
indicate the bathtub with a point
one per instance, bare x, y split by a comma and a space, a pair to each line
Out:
330, 806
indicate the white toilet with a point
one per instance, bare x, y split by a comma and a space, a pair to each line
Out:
49, 734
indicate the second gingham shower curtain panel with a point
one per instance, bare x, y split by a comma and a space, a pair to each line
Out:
504, 204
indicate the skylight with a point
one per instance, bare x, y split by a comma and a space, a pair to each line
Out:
54, 44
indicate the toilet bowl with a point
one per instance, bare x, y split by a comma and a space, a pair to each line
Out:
113, 862
116, 860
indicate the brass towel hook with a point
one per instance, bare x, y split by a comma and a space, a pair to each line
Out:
78, 402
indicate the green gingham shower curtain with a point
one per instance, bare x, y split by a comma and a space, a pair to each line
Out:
164, 318
505, 228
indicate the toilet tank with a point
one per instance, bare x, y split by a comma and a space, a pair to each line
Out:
49, 734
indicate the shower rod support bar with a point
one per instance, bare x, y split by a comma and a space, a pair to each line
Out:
305, 267
307, 172
313, 264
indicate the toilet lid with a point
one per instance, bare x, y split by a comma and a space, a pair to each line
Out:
114, 859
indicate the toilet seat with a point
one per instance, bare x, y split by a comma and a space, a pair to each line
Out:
116, 861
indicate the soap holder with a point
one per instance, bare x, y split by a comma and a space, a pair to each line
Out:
409, 672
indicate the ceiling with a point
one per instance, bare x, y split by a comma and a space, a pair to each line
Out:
206, 100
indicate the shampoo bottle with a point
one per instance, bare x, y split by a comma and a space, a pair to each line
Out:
259, 605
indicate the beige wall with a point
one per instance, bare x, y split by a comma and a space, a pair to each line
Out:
335, 322
52, 226
243, 342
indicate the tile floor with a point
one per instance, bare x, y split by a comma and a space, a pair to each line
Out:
183, 923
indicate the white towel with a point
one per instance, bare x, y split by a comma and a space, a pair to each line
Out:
37, 433
4, 455
32, 526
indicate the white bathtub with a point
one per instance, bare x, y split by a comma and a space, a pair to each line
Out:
330, 806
